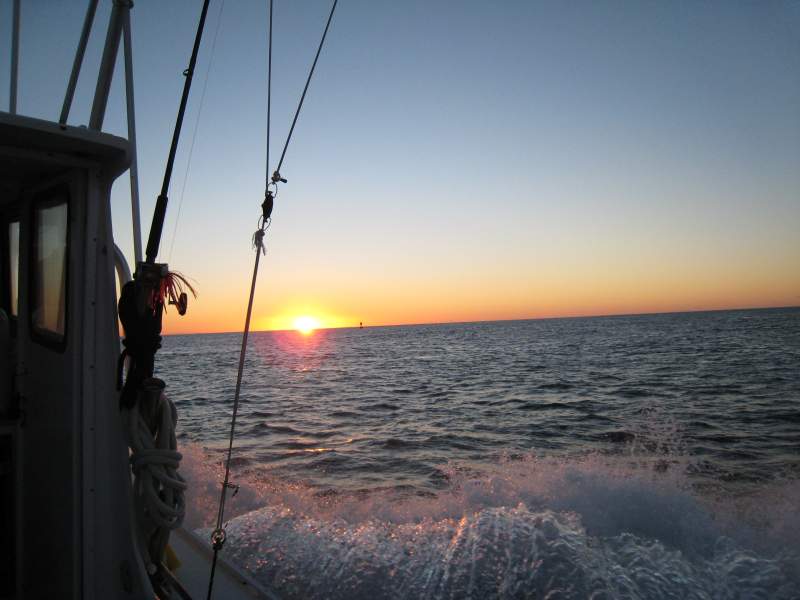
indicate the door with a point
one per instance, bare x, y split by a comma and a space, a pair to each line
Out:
48, 328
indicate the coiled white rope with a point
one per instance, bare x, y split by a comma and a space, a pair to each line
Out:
158, 488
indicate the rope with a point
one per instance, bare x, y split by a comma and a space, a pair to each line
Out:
158, 488
194, 131
276, 176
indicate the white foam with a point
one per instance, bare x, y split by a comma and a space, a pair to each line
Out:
525, 528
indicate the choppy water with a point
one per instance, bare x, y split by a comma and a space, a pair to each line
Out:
633, 457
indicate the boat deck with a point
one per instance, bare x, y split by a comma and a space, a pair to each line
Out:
229, 582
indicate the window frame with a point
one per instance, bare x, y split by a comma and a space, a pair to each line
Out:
11, 215
49, 197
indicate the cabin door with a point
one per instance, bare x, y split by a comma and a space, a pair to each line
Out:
50, 332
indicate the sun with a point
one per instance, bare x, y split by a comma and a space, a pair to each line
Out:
305, 324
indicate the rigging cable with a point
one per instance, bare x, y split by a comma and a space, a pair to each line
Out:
194, 131
276, 177
218, 535
269, 96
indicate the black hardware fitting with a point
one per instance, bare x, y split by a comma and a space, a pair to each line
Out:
266, 206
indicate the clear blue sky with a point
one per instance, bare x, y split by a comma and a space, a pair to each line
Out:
462, 160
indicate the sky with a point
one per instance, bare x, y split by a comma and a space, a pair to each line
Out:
456, 161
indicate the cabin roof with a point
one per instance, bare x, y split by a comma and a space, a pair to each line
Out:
35, 148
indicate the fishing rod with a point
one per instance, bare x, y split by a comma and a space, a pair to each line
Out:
142, 300
154, 239
159, 488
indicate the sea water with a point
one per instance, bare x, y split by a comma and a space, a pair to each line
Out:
653, 456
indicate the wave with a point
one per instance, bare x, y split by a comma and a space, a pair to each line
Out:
595, 526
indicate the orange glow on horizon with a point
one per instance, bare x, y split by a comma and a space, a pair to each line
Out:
302, 317
306, 324
461, 298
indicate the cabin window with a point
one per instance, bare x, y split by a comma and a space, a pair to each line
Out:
13, 268
49, 266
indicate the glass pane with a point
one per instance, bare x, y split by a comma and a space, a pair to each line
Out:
13, 266
50, 274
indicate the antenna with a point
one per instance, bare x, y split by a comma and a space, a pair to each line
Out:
12, 100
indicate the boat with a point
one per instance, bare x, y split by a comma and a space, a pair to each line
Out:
90, 490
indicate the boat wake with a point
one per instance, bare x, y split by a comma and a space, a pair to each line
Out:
595, 527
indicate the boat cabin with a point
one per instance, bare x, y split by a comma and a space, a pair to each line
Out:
84, 477
66, 507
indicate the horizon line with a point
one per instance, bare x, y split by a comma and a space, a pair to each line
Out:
546, 318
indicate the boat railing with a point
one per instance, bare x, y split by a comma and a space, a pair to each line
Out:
118, 31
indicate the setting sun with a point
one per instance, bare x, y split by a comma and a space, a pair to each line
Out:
305, 324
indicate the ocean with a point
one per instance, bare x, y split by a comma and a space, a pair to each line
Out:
650, 456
